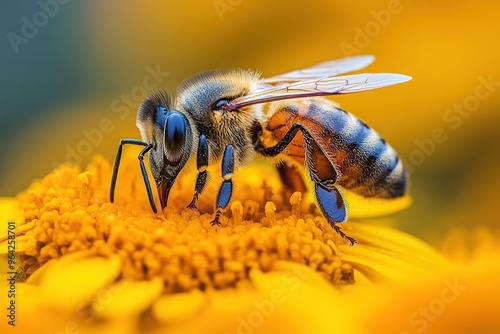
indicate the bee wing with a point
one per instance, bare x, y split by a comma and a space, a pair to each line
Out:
323, 70
327, 86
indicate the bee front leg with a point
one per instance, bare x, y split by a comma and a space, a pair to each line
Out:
201, 164
226, 189
322, 171
141, 164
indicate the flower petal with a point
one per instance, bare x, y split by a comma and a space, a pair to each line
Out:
74, 279
379, 267
386, 238
10, 210
361, 207
127, 298
179, 307
294, 300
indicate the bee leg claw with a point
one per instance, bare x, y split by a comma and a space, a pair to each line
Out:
351, 240
216, 221
192, 205
343, 235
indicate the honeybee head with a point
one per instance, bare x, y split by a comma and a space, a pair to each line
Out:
171, 136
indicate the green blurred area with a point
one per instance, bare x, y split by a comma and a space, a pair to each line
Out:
71, 90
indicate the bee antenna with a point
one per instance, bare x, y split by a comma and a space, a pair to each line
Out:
162, 97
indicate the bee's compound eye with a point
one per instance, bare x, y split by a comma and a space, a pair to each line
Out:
175, 137
219, 104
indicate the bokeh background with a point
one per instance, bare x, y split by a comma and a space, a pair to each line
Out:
72, 74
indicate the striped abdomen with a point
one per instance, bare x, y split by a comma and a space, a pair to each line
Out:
368, 165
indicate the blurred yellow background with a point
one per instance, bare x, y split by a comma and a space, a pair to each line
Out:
73, 77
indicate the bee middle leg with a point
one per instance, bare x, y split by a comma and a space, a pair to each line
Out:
322, 171
201, 165
226, 189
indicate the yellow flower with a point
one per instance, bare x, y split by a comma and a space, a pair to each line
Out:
86, 265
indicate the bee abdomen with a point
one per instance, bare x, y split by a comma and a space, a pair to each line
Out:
372, 167
368, 165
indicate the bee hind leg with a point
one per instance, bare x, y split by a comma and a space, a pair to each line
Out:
201, 165
322, 171
226, 189
328, 197
333, 207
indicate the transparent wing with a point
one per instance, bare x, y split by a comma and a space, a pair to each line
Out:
323, 70
327, 86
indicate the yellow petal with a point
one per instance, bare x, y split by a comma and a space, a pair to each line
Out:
380, 267
20, 242
126, 298
292, 300
35, 278
361, 207
10, 211
72, 282
173, 309
28, 302
463, 300
397, 244
12, 219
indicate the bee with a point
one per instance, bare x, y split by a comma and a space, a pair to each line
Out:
232, 116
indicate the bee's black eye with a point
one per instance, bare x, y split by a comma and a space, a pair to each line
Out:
220, 104
176, 129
